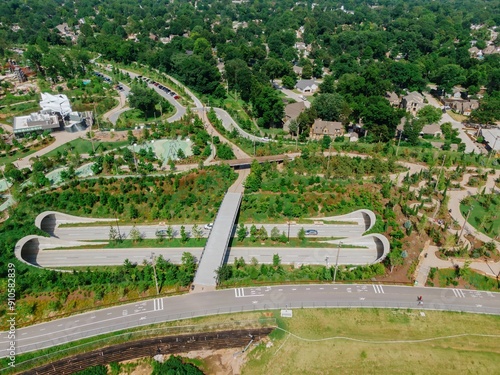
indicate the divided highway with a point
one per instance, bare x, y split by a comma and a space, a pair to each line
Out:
161, 309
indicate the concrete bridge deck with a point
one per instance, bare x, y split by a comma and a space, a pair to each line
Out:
214, 254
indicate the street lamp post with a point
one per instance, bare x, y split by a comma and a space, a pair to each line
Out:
326, 260
337, 262
288, 230
135, 158
465, 221
399, 141
153, 261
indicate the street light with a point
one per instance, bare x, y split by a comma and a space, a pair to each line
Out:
288, 230
135, 159
326, 260
337, 262
465, 221
153, 261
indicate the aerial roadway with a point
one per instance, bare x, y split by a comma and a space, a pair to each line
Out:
162, 309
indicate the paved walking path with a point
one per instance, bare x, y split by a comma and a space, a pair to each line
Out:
488, 268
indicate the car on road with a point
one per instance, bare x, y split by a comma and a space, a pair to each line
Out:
311, 232
161, 232
265, 139
209, 226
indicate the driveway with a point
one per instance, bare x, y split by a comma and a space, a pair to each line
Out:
470, 146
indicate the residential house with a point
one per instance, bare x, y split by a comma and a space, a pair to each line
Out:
307, 85
321, 128
393, 98
464, 107
492, 138
433, 130
413, 102
293, 110
297, 70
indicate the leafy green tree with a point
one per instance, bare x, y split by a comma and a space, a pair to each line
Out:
302, 234
113, 234
380, 118
289, 82
329, 106
143, 98
225, 152
184, 235
135, 235
328, 85
224, 273
262, 233
276, 260
197, 232
429, 114
170, 232
411, 131
326, 142
275, 234
242, 232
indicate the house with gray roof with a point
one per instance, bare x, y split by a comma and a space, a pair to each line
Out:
307, 85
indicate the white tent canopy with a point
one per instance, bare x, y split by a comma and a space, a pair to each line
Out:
56, 103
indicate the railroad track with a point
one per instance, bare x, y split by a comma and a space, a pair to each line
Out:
152, 347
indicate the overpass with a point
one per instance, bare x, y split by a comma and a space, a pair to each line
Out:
215, 250
261, 159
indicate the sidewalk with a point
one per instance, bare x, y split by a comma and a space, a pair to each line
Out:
488, 268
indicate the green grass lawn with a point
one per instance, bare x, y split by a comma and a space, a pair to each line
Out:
484, 215
84, 146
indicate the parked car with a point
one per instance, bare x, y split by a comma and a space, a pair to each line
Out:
177, 97
161, 232
311, 232
209, 226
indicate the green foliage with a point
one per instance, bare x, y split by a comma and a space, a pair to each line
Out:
95, 370
175, 365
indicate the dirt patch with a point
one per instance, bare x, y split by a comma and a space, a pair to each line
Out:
220, 362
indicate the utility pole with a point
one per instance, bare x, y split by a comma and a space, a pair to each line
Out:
337, 262
329, 157
135, 158
153, 262
466, 218
399, 141
289, 230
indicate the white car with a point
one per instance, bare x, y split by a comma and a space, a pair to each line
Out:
209, 226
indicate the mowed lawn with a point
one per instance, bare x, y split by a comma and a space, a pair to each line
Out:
456, 355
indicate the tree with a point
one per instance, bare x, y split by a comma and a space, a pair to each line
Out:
429, 115
263, 234
275, 234
302, 234
113, 234
184, 235
143, 99
326, 142
160, 235
328, 85
135, 234
276, 260
380, 118
197, 232
170, 232
329, 106
224, 273
289, 82
241, 233
411, 131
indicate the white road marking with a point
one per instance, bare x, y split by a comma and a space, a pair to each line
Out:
294, 288
157, 304
458, 293
239, 292
255, 301
109, 313
378, 289
362, 298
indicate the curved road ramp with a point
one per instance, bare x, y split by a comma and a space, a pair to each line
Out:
351, 246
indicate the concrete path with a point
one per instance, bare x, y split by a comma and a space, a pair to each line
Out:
470, 146
488, 268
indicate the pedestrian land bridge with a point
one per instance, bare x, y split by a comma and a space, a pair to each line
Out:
215, 251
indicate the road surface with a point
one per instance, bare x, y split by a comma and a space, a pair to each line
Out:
149, 231
158, 310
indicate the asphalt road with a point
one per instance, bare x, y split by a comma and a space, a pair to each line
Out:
102, 232
158, 310
108, 257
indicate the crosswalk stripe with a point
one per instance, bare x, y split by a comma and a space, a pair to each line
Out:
378, 289
158, 304
239, 292
458, 293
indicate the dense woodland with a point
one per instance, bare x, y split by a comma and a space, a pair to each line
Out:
367, 47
